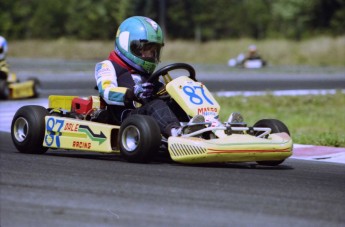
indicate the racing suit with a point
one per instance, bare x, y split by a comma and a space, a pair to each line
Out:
254, 56
115, 83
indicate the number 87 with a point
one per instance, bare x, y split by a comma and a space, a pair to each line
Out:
194, 97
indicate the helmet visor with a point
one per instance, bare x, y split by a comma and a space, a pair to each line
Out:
147, 51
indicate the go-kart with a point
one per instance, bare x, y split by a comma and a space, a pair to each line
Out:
254, 63
78, 123
248, 63
12, 88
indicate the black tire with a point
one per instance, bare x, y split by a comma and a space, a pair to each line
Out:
276, 127
4, 90
28, 129
37, 87
139, 138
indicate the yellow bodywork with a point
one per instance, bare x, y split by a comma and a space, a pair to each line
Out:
22, 90
65, 102
233, 148
60, 102
195, 98
17, 89
75, 134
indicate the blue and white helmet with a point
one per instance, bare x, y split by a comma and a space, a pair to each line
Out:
138, 42
3, 48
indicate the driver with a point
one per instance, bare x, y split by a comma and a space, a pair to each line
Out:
253, 55
121, 79
3, 64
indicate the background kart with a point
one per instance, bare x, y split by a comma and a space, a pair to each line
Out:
78, 123
12, 88
242, 62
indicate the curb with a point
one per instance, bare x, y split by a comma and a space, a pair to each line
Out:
319, 153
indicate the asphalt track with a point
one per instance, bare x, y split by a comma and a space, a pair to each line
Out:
77, 77
63, 188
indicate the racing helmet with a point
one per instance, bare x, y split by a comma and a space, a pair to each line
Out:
3, 48
252, 48
138, 42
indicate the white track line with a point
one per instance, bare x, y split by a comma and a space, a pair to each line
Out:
9, 108
279, 92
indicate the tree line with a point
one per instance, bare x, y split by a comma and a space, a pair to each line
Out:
201, 20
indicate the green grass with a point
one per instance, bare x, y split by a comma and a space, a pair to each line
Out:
320, 51
318, 120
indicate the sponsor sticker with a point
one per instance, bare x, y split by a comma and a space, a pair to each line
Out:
103, 68
71, 127
207, 111
55, 130
81, 144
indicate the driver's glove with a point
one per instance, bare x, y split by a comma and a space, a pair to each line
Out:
143, 91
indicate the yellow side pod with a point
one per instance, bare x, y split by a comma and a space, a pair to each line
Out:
22, 89
76, 134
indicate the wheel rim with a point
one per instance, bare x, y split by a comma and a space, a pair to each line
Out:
130, 138
21, 129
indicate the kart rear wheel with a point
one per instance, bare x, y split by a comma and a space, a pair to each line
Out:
4, 90
28, 128
276, 127
139, 138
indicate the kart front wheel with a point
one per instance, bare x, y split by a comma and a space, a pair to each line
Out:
28, 128
139, 138
276, 127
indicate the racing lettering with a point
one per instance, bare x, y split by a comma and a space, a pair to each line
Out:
71, 127
205, 110
81, 145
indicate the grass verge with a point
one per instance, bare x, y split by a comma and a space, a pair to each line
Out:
320, 51
317, 120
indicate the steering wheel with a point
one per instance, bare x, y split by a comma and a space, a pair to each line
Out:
163, 71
